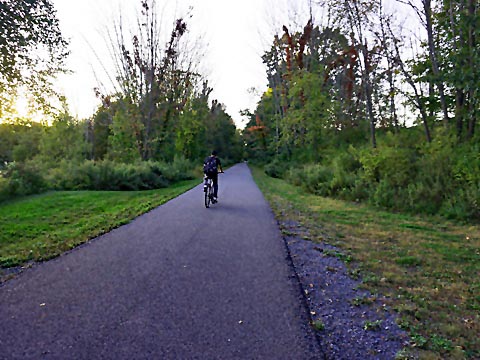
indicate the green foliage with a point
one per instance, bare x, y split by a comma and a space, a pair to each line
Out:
23, 179
318, 325
63, 140
309, 121
392, 164
109, 175
372, 325
59, 156
32, 51
277, 168
19, 140
102, 121
314, 178
191, 133
32, 177
317, 101
464, 202
123, 141
345, 167
434, 178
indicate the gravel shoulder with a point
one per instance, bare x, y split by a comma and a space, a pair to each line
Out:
355, 324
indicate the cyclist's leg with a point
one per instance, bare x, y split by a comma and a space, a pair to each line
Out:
215, 185
205, 182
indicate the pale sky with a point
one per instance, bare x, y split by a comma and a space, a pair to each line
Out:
235, 33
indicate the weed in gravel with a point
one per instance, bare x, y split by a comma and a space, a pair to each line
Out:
318, 325
363, 300
405, 354
372, 325
355, 273
340, 256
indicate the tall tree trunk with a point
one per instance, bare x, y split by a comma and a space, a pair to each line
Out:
368, 95
459, 110
473, 92
357, 22
393, 108
473, 116
411, 82
390, 68
458, 43
427, 6
431, 96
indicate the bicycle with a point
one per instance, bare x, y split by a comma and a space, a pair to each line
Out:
208, 190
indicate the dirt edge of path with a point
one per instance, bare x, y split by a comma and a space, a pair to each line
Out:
349, 322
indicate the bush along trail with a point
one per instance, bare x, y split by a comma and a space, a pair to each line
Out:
378, 284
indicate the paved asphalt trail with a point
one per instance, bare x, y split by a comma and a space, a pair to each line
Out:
180, 282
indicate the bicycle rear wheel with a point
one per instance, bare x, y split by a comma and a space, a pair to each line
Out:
207, 196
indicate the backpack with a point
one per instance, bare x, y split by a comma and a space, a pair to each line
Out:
210, 166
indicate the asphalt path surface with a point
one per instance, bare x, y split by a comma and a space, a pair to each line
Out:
180, 282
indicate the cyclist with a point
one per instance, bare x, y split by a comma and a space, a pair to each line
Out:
211, 167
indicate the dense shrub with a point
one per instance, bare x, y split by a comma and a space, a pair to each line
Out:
386, 195
464, 199
26, 178
394, 165
441, 177
109, 175
345, 169
276, 168
314, 178
3, 188
23, 179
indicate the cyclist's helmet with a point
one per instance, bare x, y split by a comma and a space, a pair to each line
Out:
214, 153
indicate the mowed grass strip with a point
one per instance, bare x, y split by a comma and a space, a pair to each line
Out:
428, 267
41, 227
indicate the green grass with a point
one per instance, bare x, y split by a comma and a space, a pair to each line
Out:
41, 227
428, 267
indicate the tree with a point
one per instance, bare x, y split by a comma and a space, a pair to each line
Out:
386, 40
153, 79
101, 131
458, 28
63, 140
357, 16
426, 17
19, 140
32, 51
310, 121
124, 139
221, 133
191, 130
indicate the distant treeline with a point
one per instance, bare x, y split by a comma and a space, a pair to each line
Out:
155, 127
104, 153
330, 119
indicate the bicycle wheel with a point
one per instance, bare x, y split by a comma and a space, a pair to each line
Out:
210, 190
207, 196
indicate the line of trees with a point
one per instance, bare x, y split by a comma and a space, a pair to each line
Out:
154, 128
336, 95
